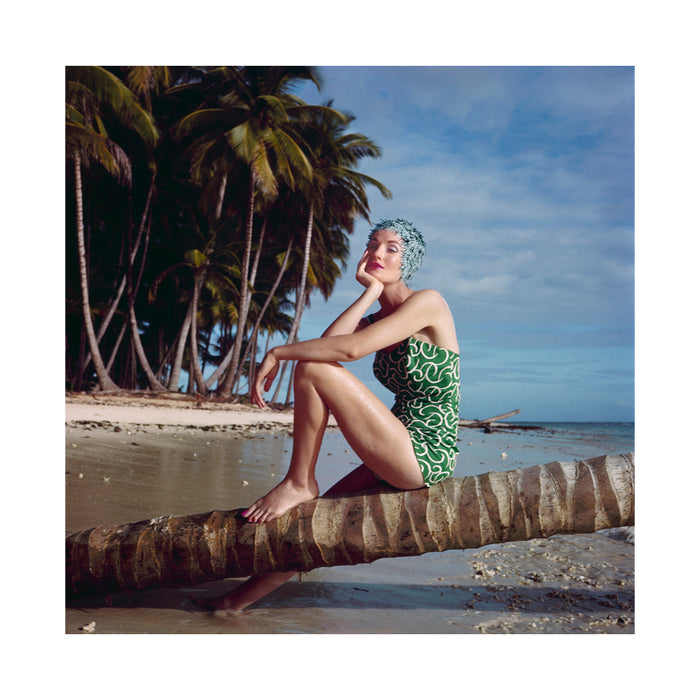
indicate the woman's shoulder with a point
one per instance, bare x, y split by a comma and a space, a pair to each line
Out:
429, 297
439, 329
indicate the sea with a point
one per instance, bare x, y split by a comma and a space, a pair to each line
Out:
525, 444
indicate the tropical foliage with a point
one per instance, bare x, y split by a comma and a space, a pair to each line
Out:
204, 205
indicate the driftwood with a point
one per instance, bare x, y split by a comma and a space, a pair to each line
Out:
535, 502
476, 423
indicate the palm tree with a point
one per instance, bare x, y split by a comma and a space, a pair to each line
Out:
144, 81
251, 120
214, 261
335, 194
259, 319
91, 93
523, 504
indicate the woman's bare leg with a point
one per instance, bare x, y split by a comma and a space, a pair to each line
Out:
299, 485
375, 434
256, 587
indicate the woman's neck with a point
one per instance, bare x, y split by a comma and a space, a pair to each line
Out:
393, 296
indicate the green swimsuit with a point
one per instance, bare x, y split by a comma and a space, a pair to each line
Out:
425, 380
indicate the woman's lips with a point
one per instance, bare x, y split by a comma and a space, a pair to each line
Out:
375, 266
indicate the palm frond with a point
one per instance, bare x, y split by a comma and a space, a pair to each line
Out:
112, 93
98, 148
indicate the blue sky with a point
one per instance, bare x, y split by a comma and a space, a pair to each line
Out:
522, 181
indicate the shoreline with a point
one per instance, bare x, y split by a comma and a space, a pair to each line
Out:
173, 410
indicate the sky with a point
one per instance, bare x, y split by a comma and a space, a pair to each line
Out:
522, 182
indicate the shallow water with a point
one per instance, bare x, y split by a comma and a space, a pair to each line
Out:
510, 449
117, 477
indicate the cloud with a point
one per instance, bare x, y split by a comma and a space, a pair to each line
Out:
522, 180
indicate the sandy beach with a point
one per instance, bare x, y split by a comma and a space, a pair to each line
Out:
131, 457
169, 409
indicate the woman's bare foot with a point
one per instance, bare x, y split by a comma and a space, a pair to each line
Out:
284, 496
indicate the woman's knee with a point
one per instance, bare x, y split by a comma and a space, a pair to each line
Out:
310, 370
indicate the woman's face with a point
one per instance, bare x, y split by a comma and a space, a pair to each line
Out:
384, 259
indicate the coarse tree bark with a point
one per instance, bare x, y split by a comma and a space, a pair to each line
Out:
226, 387
194, 335
466, 513
106, 383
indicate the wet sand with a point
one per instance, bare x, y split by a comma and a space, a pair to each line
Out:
129, 459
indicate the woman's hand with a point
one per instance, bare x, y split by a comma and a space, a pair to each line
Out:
267, 371
364, 278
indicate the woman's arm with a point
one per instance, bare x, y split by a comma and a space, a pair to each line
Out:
349, 321
419, 311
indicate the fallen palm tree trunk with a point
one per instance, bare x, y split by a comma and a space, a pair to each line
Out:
523, 504
476, 423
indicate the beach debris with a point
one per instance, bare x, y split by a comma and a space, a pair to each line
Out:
486, 422
504, 455
90, 627
244, 483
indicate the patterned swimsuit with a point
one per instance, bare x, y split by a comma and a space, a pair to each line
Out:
425, 380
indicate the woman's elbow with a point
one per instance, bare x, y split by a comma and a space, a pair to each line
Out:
352, 351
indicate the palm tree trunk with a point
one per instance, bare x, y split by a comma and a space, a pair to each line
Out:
180, 352
283, 371
220, 199
290, 387
227, 385
258, 321
523, 504
194, 340
122, 283
115, 349
132, 286
301, 296
102, 376
141, 353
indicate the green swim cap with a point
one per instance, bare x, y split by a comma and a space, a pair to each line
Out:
413, 244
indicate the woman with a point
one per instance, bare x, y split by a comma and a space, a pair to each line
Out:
417, 357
